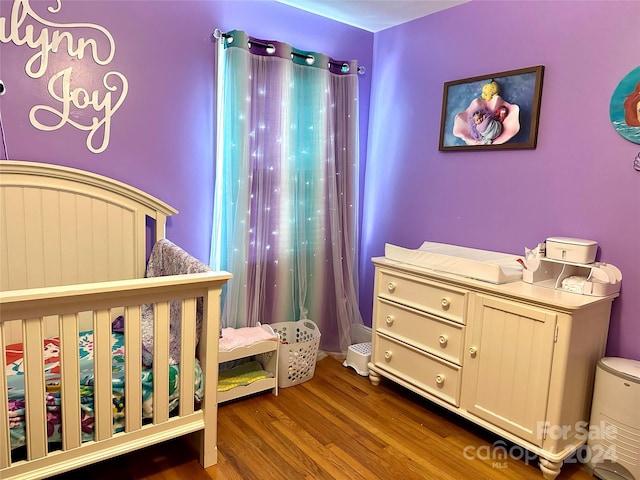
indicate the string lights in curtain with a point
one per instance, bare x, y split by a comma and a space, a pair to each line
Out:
286, 193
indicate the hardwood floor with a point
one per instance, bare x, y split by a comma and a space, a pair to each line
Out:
335, 426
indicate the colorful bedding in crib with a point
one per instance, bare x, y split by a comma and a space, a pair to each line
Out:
15, 382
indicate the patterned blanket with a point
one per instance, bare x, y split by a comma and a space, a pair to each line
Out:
15, 374
168, 259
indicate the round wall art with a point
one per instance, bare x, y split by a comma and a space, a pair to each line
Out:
624, 109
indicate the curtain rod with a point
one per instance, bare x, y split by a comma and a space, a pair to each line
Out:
217, 34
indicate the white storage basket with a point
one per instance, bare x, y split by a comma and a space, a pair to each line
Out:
298, 351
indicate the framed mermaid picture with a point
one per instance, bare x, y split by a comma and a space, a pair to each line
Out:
490, 112
624, 109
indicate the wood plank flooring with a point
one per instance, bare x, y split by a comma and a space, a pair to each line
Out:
335, 426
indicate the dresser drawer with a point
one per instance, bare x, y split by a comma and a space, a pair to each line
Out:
435, 376
440, 337
448, 302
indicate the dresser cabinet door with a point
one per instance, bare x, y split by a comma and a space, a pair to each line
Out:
508, 365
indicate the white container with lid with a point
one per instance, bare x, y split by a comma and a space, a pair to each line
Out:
568, 249
613, 444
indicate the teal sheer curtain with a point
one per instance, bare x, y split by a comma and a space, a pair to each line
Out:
286, 193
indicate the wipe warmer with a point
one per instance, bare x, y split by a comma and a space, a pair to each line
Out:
567, 249
569, 265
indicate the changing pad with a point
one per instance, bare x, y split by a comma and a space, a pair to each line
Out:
484, 265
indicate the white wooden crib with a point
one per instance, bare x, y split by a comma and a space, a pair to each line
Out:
73, 249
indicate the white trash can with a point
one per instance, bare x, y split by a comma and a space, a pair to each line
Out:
614, 429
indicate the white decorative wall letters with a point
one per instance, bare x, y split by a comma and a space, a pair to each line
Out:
51, 38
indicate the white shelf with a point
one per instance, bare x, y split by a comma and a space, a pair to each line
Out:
248, 351
601, 279
266, 352
255, 387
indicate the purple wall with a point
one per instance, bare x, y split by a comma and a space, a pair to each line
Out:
162, 137
580, 180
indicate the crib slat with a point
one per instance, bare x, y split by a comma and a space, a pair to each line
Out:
33, 236
70, 382
86, 269
99, 225
52, 247
140, 247
120, 258
161, 362
16, 241
5, 458
102, 370
208, 349
133, 369
4, 244
187, 356
68, 238
36, 418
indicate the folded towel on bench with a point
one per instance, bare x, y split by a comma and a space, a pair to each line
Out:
242, 375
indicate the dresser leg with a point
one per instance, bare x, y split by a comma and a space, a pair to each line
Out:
374, 377
550, 470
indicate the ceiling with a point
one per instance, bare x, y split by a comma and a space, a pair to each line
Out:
373, 15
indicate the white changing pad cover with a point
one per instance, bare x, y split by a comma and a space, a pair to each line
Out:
484, 265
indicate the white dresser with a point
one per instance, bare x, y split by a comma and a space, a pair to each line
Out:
517, 359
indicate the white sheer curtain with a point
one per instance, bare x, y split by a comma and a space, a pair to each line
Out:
286, 196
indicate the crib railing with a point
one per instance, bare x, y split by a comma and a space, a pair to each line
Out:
35, 306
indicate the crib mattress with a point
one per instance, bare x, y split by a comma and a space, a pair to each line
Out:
16, 397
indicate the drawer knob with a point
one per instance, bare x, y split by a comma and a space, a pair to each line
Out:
389, 320
443, 339
387, 355
473, 351
446, 303
391, 287
440, 380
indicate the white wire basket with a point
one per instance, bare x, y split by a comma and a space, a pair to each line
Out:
298, 351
